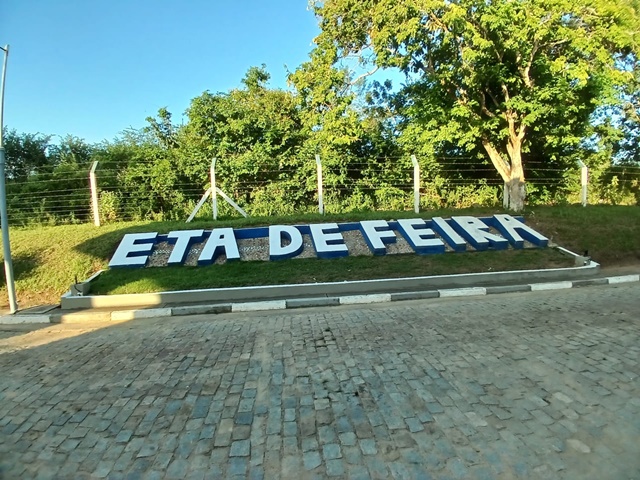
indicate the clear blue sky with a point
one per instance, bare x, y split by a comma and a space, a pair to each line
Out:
93, 68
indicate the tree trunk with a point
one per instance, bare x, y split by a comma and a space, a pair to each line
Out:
517, 194
512, 173
517, 191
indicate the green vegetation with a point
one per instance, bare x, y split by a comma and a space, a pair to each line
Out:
311, 270
517, 82
493, 93
47, 259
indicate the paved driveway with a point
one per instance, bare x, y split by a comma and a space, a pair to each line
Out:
534, 385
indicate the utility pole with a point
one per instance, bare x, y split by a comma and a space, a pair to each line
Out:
4, 223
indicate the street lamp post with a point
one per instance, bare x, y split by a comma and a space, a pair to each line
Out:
4, 223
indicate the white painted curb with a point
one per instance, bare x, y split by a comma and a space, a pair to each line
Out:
536, 287
358, 299
332, 289
256, 306
462, 292
623, 279
123, 315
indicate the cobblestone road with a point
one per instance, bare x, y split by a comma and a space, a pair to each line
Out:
535, 385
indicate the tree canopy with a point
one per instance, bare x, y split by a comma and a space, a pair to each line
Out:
492, 73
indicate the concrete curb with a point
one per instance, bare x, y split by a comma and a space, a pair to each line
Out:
354, 288
537, 287
462, 292
18, 319
125, 315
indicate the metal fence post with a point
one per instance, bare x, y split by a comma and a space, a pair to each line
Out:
584, 182
416, 184
6, 246
214, 196
93, 184
320, 199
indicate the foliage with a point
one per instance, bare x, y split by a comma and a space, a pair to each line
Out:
27, 154
266, 140
626, 148
490, 74
110, 206
46, 183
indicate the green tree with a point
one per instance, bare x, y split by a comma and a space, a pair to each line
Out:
244, 120
71, 150
354, 135
162, 129
139, 174
256, 133
627, 148
47, 182
27, 154
326, 101
491, 73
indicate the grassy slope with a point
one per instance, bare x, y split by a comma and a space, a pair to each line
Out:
47, 259
611, 234
311, 270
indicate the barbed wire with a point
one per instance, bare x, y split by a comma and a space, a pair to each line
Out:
140, 190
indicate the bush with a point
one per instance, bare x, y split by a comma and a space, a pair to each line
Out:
110, 206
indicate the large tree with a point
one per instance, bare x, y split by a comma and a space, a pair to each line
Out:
255, 132
247, 129
491, 73
627, 148
27, 154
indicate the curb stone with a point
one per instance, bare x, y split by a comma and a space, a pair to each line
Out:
124, 315
462, 292
358, 299
624, 279
18, 319
508, 289
258, 306
537, 287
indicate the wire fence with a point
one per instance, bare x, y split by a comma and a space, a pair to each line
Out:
126, 191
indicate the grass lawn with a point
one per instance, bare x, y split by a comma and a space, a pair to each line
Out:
48, 259
310, 270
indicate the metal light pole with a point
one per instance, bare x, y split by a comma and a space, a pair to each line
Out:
6, 247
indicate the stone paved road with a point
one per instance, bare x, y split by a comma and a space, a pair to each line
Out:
535, 385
